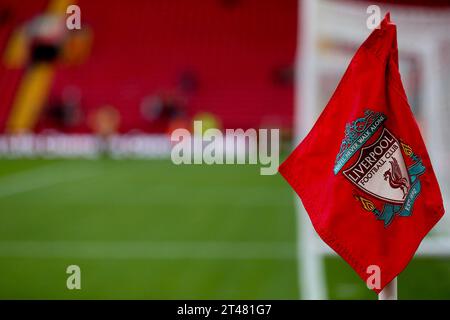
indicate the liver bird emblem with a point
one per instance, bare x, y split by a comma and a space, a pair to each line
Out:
396, 179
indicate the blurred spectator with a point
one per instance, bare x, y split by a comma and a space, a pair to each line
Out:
46, 34
209, 121
105, 121
160, 111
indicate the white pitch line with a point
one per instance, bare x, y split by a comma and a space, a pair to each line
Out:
149, 250
38, 178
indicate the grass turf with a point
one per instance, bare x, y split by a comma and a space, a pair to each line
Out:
149, 229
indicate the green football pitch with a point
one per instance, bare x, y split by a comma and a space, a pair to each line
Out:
150, 229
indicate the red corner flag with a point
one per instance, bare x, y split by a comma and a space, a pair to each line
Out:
363, 172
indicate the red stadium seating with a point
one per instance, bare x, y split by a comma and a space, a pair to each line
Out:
239, 52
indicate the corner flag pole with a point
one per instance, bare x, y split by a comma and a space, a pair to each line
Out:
389, 292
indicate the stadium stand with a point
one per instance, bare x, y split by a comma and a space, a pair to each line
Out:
231, 58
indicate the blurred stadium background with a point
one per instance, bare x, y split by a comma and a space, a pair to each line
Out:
85, 174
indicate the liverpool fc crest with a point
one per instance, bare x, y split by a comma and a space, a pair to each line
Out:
380, 170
